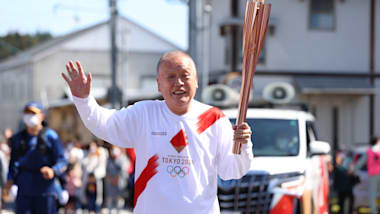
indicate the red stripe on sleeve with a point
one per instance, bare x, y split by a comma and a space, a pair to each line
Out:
208, 118
145, 176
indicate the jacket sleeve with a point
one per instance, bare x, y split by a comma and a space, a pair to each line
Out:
119, 127
60, 164
360, 163
229, 165
12, 170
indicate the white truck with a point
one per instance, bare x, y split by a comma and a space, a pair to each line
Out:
289, 171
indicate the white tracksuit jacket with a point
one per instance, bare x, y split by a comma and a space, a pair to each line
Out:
178, 158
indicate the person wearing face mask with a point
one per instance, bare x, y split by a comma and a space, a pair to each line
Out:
37, 158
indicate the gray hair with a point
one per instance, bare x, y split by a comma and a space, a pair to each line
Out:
168, 55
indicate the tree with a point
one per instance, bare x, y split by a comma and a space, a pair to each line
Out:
14, 42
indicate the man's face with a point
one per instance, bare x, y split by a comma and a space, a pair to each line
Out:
177, 81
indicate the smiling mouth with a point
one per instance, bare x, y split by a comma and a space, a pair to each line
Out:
179, 92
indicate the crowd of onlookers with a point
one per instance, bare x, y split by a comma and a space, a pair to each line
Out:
101, 175
98, 175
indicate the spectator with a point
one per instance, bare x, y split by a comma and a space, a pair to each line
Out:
4, 144
116, 179
131, 177
92, 194
372, 159
73, 185
36, 156
94, 163
76, 153
343, 184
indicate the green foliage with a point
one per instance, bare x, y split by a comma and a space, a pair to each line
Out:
14, 42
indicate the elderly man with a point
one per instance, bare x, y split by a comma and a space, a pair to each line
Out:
181, 144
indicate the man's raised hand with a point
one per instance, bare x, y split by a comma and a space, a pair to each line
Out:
80, 86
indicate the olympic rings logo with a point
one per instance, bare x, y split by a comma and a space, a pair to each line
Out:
175, 171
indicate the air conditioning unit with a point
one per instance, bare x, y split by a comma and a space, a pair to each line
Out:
220, 95
279, 92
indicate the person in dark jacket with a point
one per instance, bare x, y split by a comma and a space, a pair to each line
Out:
37, 158
344, 182
91, 194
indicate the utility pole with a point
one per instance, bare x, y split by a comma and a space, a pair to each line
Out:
199, 39
114, 92
192, 27
195, 39
372, 45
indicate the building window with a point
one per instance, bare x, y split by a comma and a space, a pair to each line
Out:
322, 15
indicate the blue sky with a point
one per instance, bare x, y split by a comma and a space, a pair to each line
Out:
168, 18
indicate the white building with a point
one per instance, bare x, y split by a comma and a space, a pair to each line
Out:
321, 47
35, 74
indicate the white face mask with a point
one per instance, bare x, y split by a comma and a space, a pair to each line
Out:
31, 120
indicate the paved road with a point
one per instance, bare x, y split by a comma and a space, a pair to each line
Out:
104, 211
